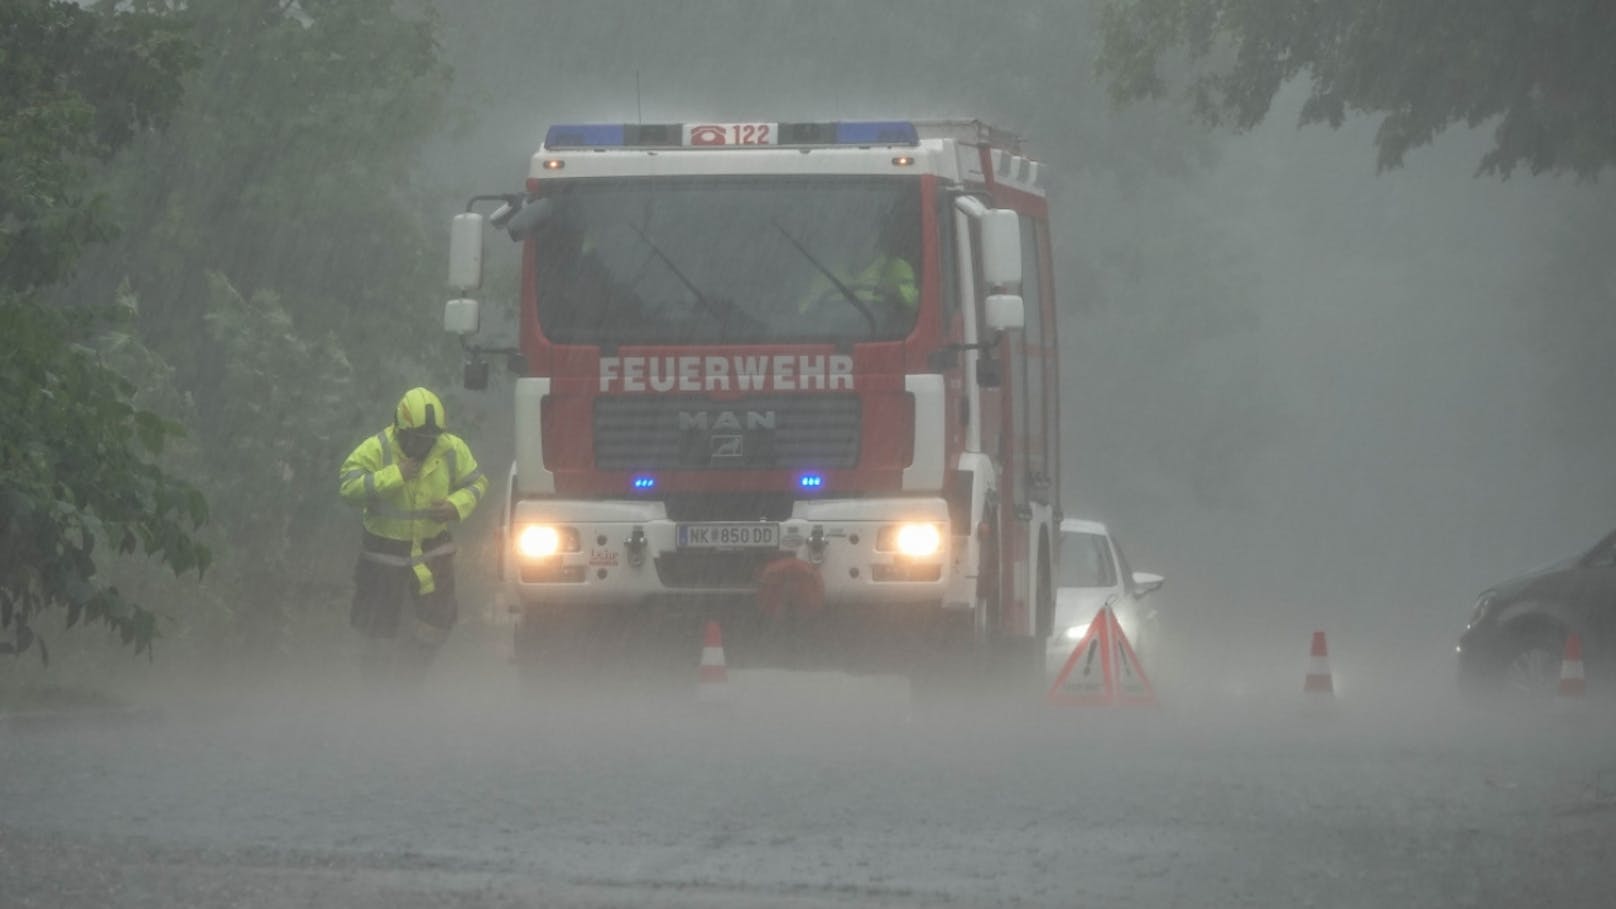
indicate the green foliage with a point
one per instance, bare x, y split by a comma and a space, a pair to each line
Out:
79, 84
1542, 70
77, 471
78, 460
287, 425
287, 283
288, 169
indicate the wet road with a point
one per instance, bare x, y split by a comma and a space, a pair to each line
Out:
807, 791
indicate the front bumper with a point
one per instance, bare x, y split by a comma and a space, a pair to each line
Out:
627, 551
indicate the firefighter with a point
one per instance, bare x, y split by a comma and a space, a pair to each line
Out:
411, 481
887, 276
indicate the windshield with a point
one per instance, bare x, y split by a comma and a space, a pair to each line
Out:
1086, 562
737, 260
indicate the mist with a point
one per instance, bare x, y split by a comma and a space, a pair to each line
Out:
1313, 396
1310, 394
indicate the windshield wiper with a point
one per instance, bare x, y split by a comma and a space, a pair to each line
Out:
720, 312
845, 290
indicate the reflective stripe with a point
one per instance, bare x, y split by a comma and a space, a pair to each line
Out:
449, 459
383, 558
389, 513
352, 475
370, 486
469, 481
387, 450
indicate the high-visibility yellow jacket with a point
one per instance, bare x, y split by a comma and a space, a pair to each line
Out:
885, 277
398, 509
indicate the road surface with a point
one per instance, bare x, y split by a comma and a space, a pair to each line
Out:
807, 791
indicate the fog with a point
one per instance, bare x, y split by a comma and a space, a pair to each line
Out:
1311, 395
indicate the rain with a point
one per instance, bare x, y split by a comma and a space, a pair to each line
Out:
1331, 338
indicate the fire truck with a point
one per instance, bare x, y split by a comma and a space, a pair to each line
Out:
797, 378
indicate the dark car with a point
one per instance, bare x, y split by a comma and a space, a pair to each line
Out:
1516, 637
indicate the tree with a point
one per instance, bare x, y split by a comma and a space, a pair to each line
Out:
79, 85
286, 278
1542, 70
77, 457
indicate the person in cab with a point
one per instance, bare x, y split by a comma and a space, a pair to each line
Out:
883, 280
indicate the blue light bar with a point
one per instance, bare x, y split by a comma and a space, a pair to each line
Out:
643, 483
877, 132
810, 481
685, 135
586, 135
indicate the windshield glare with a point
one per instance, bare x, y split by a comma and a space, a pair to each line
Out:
729, 260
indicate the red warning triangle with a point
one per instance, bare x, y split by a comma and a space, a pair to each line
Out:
1103, 670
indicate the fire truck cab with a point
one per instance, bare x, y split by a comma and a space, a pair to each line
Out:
799, 378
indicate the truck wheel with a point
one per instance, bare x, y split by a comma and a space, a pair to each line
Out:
1016, 663
598, 650
947, 667
553, 648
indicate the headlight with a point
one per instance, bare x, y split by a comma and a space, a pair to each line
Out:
1075, 633
541, 541
915, 541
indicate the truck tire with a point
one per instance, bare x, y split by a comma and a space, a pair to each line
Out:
571, 651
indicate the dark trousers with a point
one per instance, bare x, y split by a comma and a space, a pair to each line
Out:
381, 590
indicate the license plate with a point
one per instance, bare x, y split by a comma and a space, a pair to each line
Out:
727, 536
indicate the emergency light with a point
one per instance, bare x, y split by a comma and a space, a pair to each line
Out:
683, 135
641, 484
810, 481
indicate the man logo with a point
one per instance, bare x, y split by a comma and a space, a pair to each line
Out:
724, 448
726, 420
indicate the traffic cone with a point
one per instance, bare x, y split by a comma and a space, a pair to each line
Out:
1318, 668
712, 685
1572, 684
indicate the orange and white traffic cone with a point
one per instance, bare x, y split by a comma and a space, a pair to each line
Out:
1572, 683
1318, 668
712, 685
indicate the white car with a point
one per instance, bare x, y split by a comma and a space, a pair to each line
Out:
1093, 573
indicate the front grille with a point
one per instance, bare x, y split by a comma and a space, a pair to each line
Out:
758, 433
729, 506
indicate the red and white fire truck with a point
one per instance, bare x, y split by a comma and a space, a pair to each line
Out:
800, 378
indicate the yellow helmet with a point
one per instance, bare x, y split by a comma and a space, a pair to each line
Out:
420, 409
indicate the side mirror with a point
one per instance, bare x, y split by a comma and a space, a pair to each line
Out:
1001, 251
1144, 582
466, 252
462, 317
524, 221
501, 216
1006, 312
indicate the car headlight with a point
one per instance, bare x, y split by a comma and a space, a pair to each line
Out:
541, 541
1075, 633
915, 541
